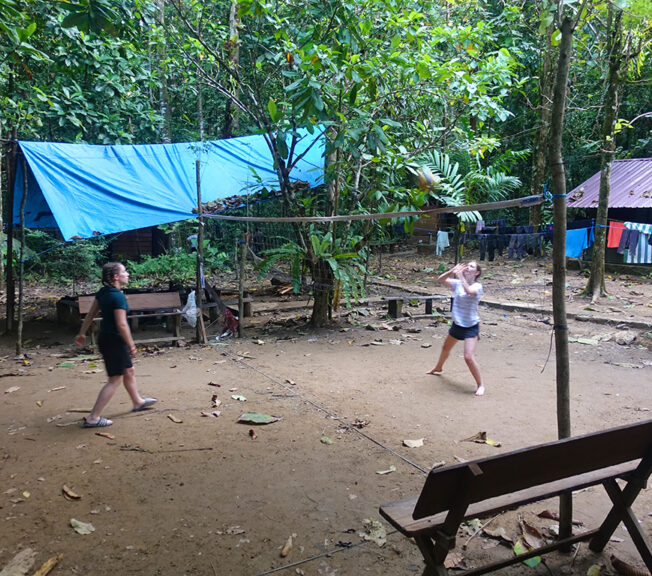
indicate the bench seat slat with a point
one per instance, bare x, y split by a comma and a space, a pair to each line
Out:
399, 513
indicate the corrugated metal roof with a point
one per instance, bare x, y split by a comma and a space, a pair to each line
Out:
631, 186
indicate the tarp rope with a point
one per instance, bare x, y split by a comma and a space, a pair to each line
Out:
519, 202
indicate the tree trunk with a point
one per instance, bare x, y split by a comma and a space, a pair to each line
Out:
546, 81
232, 48
323, 281
164, 103
595, 286
559, 256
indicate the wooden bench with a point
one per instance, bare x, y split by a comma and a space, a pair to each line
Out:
395, 303
491, 485
167, 304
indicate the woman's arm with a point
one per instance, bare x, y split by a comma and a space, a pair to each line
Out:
123, 327
471, 289
92, 313
446, 276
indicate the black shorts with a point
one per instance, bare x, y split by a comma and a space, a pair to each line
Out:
115, 353
461, 333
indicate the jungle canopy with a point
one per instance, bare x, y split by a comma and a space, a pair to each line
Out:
90, 190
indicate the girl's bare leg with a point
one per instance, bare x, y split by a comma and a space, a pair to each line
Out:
445, 352
469, 358
103, 398
130, 385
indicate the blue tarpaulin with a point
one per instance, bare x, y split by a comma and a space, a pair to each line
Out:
88, 190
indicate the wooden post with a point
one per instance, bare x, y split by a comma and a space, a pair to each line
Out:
199, 290
21, 267
241, 279
11, 287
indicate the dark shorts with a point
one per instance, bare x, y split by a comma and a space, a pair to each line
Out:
461, 333
115, 353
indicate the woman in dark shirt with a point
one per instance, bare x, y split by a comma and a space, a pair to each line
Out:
114, 342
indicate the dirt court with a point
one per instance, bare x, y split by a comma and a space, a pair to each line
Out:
173, 492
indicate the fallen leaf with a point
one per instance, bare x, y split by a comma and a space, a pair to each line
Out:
625, 569
174, 419
65, 364
453, 560
325, 440
373, 532
497, 533
531, 535
413, 443
82, 527
594, 570
105, 435
391, 469
257, 418
21, 563
520, 548
68, 494
48, 565
287, 548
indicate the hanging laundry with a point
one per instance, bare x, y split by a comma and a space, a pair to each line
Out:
442, 242
578, 240
641, 252
614, 234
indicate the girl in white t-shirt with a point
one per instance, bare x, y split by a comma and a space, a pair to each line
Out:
463, 281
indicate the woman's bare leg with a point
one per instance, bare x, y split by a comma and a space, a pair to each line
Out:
103, 398
443, 356
469, 358
130, 385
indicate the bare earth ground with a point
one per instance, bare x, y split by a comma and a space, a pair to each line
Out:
202, 496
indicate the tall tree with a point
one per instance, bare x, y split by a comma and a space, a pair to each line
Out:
567, 23
620, 50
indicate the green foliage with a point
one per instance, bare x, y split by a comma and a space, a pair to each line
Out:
475, 186
48, 257
177, 266
347, 266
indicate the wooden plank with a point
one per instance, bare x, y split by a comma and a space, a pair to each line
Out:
139, 302
538, 465
399, 513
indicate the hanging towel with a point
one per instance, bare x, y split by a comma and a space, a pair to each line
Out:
576, 241
442, 242
641, 252
615, 233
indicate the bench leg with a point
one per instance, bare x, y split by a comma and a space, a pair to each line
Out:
433, 555
621, 511
394, 308
428, 306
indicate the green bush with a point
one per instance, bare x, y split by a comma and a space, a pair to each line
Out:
47, 256
174, 266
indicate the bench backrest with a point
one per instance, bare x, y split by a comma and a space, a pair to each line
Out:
140, 302
521, 469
